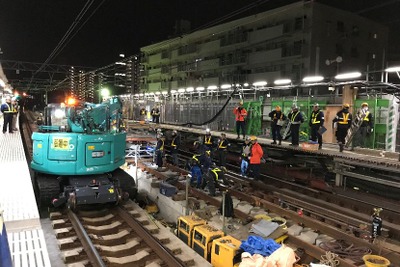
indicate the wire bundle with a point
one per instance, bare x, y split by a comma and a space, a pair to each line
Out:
344, 250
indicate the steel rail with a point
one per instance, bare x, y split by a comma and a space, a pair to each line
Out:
150, 240
92, 253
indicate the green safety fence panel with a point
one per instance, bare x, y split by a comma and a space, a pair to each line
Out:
254, 117
380, 111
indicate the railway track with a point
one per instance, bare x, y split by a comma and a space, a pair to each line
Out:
325, 224
118, 236
349, 209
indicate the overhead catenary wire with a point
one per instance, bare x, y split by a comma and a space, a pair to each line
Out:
83, 24
66, 35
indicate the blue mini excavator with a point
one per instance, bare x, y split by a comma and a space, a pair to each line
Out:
77, 152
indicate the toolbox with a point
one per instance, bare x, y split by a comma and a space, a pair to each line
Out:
167, 189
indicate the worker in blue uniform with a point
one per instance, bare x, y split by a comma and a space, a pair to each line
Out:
295, 119
316, 122
342, 121
194, 165
8, 113
160, 149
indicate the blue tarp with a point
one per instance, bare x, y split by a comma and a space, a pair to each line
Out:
5, 255
259, 245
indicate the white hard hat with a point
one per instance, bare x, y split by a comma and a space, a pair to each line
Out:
14, 98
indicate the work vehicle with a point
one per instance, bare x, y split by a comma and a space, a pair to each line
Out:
77, 153
210, 243
185, 227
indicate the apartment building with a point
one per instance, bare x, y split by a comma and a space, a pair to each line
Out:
293, 41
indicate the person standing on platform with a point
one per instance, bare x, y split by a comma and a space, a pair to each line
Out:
295, 118
222, 150
277, 120
7, 110
240, 117
367, 126
160, 149
316, 121
155, 113
142, 114
175, 144
343, 121
15, 108
256, 153
245, 157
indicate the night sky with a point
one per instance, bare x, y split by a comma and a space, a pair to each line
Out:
31, 29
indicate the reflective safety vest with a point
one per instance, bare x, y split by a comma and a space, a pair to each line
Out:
161, 148
207, 140
215, 171
173, 143
195, 158
345, 118
366, 118
9, 110
314, 117
222, 144
294, 117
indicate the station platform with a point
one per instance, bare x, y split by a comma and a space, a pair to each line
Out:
17, 199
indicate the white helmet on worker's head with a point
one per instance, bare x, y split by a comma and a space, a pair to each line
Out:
14, 99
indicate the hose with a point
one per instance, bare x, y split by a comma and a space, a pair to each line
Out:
190, 124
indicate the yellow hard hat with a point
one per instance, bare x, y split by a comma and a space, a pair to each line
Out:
278, 108
365, 104
253, 138
346, 105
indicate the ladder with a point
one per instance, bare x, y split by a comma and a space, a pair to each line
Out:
355, 125
287, 129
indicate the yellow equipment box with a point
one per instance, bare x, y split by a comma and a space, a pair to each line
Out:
226, 252
185, 227
203, 236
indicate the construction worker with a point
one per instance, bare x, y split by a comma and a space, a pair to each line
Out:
175, 143
295, 119
155, 113
143, 114
160, 149
277, 121
208, 140
245, 157
222, 149
316, 121
200, 159
7, 110
212, 177
240, 117
342, 121
366, 127
256, 153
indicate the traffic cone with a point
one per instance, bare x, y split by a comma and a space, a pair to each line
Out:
5, 255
